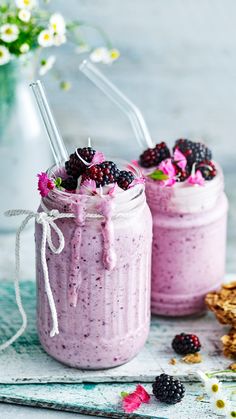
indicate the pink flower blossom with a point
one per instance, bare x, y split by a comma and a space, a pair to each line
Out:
88, 187
112, 190
167, 167
133, 401
180, 159
196, 178
137, 181
97, 158
45, 184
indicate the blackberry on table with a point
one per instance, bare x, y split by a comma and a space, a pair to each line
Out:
195, 152
125, 179
168, 389
207, 169
70, 183
154, 156
74, 166
184, 344
103, 173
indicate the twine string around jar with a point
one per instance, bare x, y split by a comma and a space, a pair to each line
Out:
47, 220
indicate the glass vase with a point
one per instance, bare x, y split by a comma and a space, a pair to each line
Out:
24, 149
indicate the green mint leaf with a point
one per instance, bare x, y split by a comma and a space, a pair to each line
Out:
158, 175
58, 182
124, 394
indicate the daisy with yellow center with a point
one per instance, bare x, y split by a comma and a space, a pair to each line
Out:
221, 405
4, 55
45, 38
25, 4
57, 24
24, 48
9, 33
46, 65
104, 55
231, 414
213, 387
24, 15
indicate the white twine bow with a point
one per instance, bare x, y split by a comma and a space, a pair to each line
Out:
47, 220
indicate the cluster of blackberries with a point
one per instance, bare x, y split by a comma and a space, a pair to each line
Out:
196, 154
103, 174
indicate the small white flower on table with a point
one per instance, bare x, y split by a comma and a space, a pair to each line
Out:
221, 405
46, 65
213, 387
4, 55
24, 15
9, 32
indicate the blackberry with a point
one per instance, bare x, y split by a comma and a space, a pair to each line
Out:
103, 173
74, 166
193, 151
207, 169
70, 183
125, 179
167, 389
181, 174
184, 344
154, 156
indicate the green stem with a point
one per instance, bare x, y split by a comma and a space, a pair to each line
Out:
75, 24
212, 374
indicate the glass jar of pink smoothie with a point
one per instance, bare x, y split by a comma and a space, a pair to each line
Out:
189, 244
100, 281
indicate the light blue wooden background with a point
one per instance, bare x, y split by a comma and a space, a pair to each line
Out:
178, 64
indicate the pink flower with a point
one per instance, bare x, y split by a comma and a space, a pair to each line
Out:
45, 185
112, 190
97, 158
167, 167
133, 401
180, 159
196, 178
88, 187
137, 181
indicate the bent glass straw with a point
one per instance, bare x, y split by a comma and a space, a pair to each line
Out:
56, 142
130, 110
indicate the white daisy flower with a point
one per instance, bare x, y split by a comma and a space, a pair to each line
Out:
59, 39
24, 15
26, 4
57, 24
9, 33
220, 405
45, 38
213, 387
24, 48
98, 55
4, 55
46, 65
104, 55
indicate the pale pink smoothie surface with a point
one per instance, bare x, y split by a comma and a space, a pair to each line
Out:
100, 281
189, 244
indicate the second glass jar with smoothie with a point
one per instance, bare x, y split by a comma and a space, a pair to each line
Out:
185, 192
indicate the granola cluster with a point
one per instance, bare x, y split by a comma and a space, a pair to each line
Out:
223, 305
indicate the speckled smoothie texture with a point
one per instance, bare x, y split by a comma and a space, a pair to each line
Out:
189, 244
103, 311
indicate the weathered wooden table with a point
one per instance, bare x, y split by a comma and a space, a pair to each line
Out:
28, 376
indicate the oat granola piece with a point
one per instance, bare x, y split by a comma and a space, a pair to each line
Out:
173, 361
223, 303
192, 358
229, 342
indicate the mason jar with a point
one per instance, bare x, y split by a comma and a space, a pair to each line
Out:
100, 281
189, 244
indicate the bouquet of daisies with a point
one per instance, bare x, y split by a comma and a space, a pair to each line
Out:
25, 28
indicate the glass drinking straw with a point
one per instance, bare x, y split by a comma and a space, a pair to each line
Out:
56, 142
127, 107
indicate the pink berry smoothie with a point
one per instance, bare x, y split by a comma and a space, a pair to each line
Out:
189, 244
100, 281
